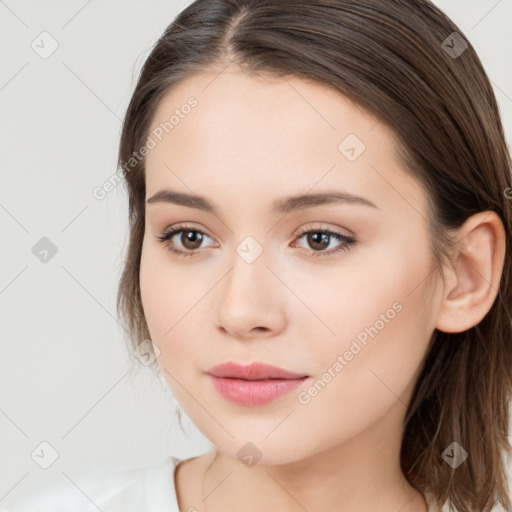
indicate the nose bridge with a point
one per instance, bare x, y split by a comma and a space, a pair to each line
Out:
245, 301
248, 269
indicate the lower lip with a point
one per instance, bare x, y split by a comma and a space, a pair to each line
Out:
254, 392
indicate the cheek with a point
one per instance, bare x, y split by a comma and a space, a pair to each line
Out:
160, 295
166, 289
152, 292
378, 291
379, 312
171, 299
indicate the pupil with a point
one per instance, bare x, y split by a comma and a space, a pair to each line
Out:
321, 239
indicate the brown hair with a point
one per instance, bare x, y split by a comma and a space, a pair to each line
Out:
399, 60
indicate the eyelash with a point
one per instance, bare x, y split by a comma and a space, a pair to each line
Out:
347, 242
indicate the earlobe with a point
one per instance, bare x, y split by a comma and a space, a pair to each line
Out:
473, 278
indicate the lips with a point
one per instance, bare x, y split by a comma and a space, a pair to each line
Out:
254, 371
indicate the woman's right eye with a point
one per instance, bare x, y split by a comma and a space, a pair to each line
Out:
190, 239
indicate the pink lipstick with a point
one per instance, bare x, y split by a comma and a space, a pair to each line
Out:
255, 384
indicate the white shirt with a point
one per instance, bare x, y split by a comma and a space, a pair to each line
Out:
147, 488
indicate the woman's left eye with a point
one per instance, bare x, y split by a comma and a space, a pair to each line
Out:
321, 239
192, 238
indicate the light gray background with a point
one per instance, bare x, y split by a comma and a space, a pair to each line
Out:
65, 376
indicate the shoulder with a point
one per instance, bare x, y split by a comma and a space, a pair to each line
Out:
131, 489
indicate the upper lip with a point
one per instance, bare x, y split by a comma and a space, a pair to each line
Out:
254, 371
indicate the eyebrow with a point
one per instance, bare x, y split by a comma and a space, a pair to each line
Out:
286, 205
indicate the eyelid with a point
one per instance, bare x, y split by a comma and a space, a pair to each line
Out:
323, 226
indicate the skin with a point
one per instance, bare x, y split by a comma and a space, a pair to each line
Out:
249, 142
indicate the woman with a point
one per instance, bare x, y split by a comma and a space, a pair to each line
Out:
319, 259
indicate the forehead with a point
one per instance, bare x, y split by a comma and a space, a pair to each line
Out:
236, 113
230, 130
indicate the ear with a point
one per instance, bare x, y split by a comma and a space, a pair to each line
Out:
473, 279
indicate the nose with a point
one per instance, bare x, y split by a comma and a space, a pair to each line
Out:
250, 300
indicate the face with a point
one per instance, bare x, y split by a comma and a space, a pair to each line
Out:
341, 291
